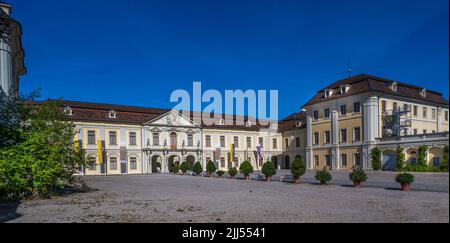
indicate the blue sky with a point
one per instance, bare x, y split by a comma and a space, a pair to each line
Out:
137, 52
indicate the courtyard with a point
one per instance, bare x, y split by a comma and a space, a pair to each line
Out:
162, 198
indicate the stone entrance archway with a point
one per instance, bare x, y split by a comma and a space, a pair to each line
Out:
156, 163
173, 160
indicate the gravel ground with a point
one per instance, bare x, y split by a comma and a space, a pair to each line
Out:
184, 199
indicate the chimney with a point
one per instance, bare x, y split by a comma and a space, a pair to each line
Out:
6, 7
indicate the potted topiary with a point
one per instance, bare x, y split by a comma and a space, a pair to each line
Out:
246, 169
358, 176
198, 169
405, 179
220, 173
298, 169
184, 167
268, 170
211, 168
233, 172
323, 176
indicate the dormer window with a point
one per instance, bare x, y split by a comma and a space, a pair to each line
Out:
298, 125
423, 93
112, 114
68, 111
394, 86
328, 92
248, 124
345, 88
222, 122
274, 126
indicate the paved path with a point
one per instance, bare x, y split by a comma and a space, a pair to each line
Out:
184, 199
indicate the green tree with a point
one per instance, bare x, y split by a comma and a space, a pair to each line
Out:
422, 156
268, 169
401, 164
376, 159
444, 164
246, 168
41, 156
211, 167
184, 167
298, 168
198, 169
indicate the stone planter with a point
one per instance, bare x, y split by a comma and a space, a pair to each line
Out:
405, 187
247, 178
357, 184
268, 178
297, 181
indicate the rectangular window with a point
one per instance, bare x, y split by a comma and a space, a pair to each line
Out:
133, 138
328, 160
287, 143
316, 161
112, 138
357, 107
433, 114
327, 137
208, 141
344, 160
113, 163
415, 111
156, 139
357, 134
413, 161
415, 131
249, 142
383, 106
327, 113
91, 137
222, 162
92, 163
343, 110
316, 138
275, 143
357, 158
316, 115
446, 116
208, 159
297, 142
424, 131
190, 140
424, 113
222, 141
236, 142
261, 142
133, 163
394, 106
406, 107
343, 135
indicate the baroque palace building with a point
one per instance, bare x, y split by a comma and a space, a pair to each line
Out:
337, 128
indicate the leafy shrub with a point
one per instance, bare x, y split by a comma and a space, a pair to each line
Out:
400, 165
358, 175
444, 164
198, 169
323, 176
404, 179
246, 168
184, 167
211, 167
376, 159
268, 170
421, 168
298, 168
220, 173
233, 172
422, 156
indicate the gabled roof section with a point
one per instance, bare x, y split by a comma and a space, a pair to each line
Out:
367, 83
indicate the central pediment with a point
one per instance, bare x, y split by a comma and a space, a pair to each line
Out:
172, 119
